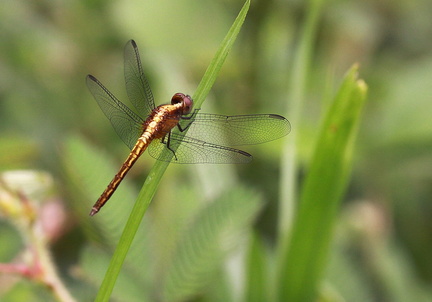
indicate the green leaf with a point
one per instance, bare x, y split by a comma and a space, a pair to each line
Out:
257, 288
215, 230
304, 260
153, 179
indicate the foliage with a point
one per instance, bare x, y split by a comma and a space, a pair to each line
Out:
298, 229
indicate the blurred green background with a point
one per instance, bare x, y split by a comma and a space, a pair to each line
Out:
50, 122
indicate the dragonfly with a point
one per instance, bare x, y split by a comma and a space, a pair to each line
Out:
173, 132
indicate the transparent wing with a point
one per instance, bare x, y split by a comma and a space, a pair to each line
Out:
137, 86
189, 150
238, 129
125, 122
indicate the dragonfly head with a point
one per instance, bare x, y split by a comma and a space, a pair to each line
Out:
185, 100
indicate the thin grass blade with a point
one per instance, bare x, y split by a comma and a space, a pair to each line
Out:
153, 179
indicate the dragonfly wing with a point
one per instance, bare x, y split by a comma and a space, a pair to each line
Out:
137, 86
189, 151
238, 130
125, 122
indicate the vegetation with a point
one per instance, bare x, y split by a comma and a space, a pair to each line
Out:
336, 211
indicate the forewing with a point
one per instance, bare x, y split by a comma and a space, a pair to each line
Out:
137, 86
126, 123
238, 129
189, 151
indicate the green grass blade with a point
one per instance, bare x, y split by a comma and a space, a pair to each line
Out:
257, 283
296, 95
305, 258
213, 70
129, 286
153, 179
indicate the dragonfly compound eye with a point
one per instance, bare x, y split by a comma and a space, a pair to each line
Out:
177, 98
187, 104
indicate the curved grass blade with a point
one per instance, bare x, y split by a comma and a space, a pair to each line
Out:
149, 188
304, 260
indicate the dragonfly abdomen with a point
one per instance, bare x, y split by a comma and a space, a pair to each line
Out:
136, 152
158, 124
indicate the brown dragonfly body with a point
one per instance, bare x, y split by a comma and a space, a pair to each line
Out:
152, 128
159, 124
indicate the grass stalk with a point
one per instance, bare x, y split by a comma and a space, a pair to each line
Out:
153, 179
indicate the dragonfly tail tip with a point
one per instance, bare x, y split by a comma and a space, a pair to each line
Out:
93, 211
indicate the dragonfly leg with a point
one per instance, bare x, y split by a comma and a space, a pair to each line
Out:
182, 129
166, 140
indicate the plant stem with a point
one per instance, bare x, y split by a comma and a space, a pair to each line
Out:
153, 179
